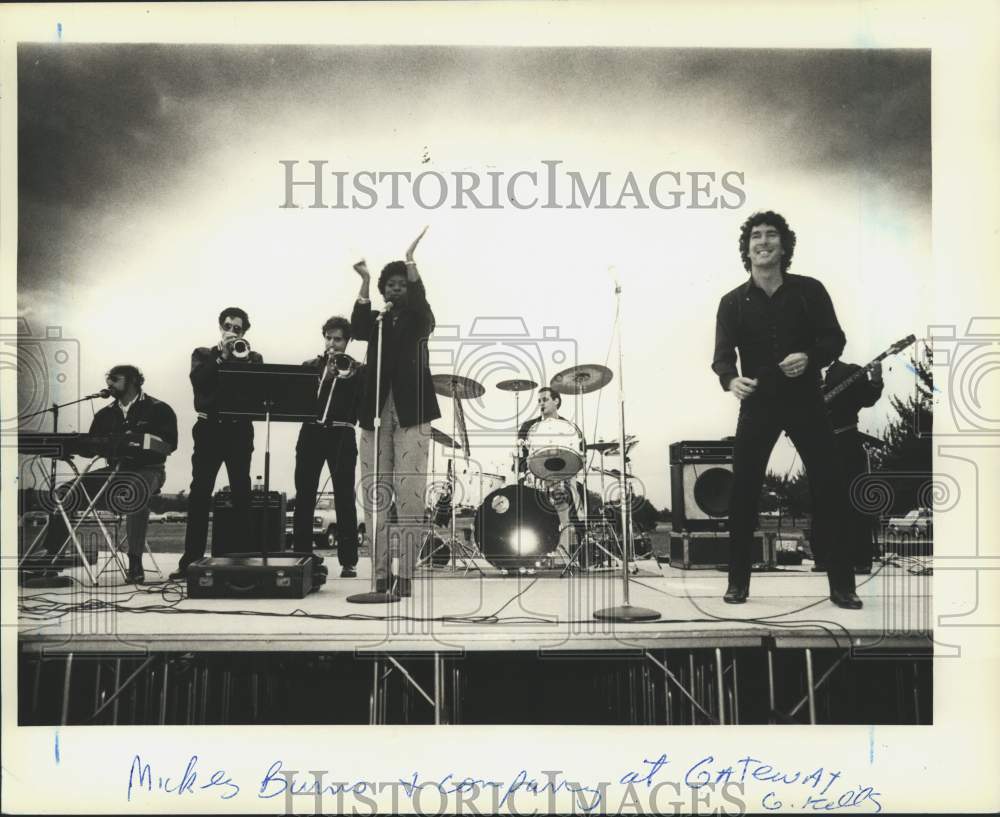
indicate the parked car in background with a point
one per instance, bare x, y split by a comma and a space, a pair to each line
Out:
918, 522
157, 517
175, 516
324, 527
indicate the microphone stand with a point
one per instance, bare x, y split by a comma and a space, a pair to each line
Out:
374, 596
624, 612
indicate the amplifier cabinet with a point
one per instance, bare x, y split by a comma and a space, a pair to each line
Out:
701, 484
266, 526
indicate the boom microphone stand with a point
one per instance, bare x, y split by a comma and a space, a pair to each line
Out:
625, 612
374, 596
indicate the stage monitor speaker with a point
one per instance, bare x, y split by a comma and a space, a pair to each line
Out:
266, 527
701, 484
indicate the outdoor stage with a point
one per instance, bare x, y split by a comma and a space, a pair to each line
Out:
468, 648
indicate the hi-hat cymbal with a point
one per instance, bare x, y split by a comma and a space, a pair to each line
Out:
442, 438
602, 445
582, 379
453, 385
516, 385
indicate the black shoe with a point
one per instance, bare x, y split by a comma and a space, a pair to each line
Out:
404, 587
383, 585
178, 575
862, 570
136, 575
819, 567
348, 573
736, 593
847, 599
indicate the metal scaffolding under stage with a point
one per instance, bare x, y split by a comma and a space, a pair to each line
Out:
471, 649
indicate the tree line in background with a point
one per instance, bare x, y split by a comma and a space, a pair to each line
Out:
904, 464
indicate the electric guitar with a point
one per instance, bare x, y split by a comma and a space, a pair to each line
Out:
897, 347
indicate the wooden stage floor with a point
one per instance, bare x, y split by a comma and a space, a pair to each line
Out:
451, 612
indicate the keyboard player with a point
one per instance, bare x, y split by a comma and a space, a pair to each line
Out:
143, 431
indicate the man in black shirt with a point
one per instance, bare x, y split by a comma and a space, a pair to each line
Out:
786, 331
844, 407
135, 461
330, 439
217, 440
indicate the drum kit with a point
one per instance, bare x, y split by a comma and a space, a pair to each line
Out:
517, 527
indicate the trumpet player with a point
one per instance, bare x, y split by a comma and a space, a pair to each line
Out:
330, 439
218, 440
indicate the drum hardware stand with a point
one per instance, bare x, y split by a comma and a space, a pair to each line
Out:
454, 543
624, 612
374, 596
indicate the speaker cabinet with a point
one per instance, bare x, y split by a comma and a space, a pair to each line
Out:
701, 484
266, 527
706, 550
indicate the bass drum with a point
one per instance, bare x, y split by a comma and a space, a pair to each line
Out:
516, 527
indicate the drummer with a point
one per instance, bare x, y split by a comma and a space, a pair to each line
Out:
564, 494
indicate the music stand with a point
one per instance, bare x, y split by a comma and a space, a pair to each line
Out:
270, 392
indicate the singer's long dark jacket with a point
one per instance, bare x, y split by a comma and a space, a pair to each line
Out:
405, 367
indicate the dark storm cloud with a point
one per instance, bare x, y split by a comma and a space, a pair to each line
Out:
103, 127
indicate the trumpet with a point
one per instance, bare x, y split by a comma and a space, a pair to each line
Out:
240, 348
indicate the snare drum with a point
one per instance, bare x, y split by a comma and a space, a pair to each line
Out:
555, 449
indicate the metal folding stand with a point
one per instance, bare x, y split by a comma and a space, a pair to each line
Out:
71, 527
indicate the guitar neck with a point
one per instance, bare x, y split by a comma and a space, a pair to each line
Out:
853, 378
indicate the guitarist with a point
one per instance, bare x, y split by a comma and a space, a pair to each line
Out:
844, 406
785, 329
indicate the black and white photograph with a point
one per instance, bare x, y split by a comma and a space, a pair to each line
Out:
423, 407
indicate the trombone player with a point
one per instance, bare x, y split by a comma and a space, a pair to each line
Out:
330, 439
217, 439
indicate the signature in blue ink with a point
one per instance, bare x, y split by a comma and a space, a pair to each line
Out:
141, 777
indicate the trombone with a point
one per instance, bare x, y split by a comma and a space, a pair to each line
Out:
343, 366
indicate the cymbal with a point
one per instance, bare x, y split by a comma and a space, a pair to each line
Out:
442, 438
516, 385
601, 445
582, 379
453, 385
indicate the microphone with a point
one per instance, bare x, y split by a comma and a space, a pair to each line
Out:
103, 393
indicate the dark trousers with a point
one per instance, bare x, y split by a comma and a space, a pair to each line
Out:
337, 448
802, 414
860, 526
215, 443
128, 493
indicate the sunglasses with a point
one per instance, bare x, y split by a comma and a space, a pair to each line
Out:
232, 327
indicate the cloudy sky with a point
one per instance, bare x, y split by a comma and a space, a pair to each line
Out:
150, 187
